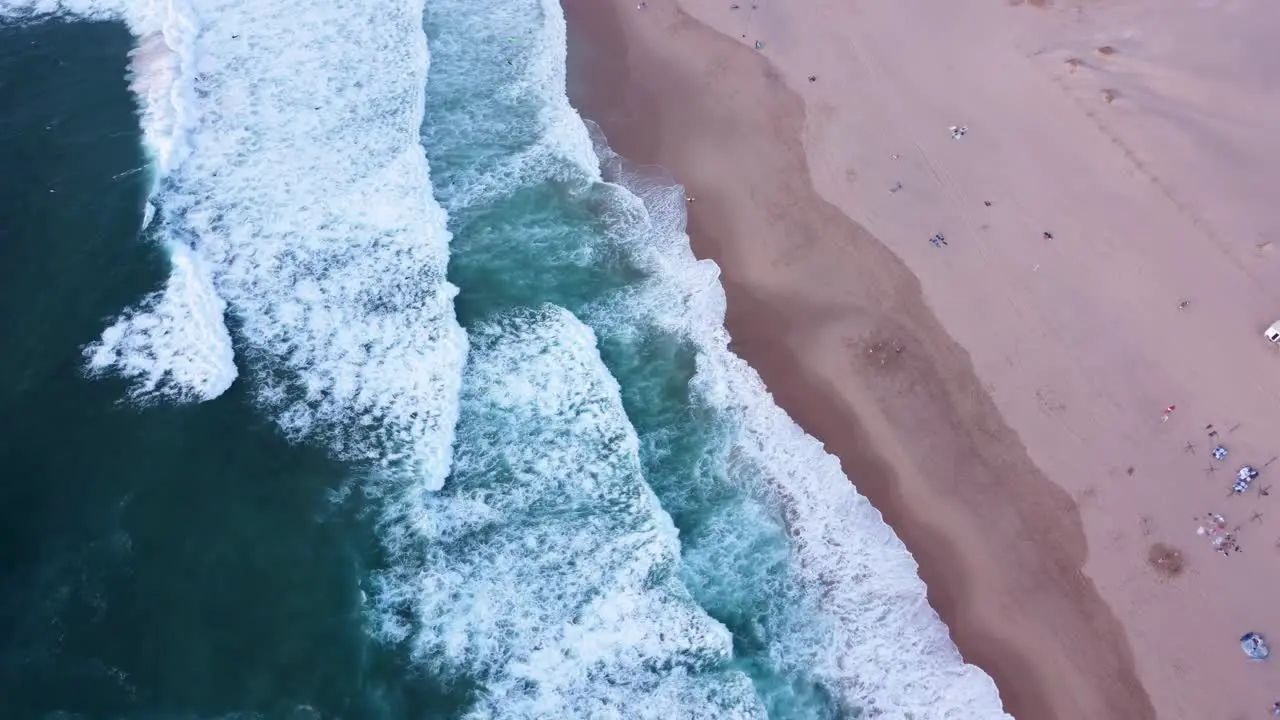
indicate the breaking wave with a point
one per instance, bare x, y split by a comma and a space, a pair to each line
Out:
546, 567
292, 191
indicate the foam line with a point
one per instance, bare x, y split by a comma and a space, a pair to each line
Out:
872, 636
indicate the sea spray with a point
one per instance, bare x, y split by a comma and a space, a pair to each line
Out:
145, 344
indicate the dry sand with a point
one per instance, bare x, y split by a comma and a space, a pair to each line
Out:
1000, 399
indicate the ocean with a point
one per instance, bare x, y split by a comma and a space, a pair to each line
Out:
347, 373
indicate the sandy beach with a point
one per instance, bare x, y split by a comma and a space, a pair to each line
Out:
1001, 397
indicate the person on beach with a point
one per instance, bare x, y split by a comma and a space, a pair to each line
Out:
1167, 412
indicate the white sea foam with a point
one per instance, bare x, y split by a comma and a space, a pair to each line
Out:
564, 135
546, 567
173, 343
162, 80
286, 139
309, 190
527, 132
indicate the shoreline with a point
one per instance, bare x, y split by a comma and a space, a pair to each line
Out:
868, 369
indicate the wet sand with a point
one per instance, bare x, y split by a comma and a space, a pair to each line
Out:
983, 395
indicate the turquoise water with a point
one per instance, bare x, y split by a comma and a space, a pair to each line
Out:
350, 375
